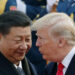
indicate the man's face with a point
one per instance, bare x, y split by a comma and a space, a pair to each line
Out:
15, 44
47, 46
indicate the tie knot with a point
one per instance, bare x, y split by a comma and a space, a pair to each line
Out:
19, 69
60, 66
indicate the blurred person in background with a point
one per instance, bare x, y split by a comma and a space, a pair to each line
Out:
31, 7
66, 6
7, 5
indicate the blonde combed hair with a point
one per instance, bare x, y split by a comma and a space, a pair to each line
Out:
60, 24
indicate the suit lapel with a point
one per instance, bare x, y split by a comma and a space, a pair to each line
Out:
71, 68
25, 66
28, 67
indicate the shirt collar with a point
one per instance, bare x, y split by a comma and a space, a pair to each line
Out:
68, 58
20, 65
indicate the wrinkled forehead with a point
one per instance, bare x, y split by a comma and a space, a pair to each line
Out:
20, 30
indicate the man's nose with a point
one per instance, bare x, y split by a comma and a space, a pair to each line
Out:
23, 45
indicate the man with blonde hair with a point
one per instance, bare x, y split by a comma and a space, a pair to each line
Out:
56, 42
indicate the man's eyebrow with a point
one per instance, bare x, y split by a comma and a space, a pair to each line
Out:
21, 36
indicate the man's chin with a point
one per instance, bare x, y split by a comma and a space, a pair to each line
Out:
20, 58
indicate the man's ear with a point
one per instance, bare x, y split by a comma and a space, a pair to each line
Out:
62, 42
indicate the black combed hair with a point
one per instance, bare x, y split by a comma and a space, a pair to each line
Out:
13, 19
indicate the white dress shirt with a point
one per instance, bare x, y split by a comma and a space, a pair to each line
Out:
19, 69
20, 65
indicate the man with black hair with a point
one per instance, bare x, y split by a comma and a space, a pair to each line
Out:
15, 42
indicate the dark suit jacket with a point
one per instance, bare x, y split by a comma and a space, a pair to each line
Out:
7, 68
51, 69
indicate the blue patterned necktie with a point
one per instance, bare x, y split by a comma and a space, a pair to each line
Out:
20, 71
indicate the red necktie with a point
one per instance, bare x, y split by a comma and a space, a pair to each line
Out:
60, 69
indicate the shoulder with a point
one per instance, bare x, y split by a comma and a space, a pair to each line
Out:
51, 67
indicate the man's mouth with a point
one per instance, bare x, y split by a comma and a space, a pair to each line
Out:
21, 52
